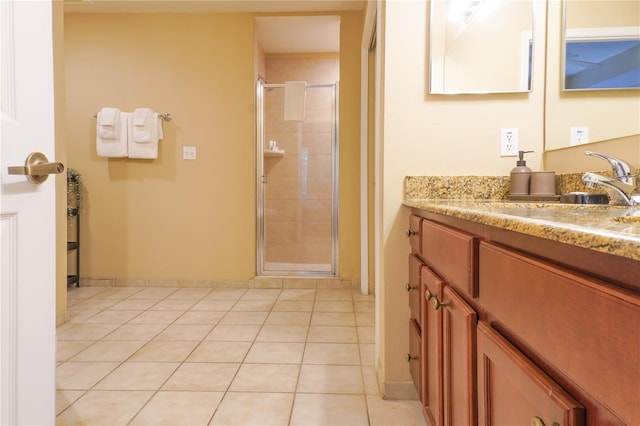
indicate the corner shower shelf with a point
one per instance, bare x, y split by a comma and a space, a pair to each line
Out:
276, 154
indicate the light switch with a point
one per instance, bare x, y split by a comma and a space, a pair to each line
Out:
188, 152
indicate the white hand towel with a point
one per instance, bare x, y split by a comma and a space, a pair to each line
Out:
149, 149
108, 120
294, 97
142, 126
116, 148
108, 116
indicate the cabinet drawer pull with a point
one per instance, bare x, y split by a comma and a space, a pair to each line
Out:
410, 287
411, 357
428, 295
411, 233
438, 304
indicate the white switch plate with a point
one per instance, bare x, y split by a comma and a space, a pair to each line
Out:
188, 152
509, 142
579, 135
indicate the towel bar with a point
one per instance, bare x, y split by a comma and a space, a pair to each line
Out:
166, 116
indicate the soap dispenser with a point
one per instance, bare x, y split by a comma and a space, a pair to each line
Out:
520, 176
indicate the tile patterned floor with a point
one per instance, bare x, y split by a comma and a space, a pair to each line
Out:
194, 356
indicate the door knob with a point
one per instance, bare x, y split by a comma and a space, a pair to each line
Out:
37, 168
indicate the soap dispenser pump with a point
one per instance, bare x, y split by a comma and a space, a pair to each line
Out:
520, 176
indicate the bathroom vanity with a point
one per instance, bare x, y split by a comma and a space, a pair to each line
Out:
524, 313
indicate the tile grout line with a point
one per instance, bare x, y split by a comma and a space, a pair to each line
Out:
155, 392
358, 342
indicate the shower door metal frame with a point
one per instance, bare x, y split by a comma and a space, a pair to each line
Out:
261, 86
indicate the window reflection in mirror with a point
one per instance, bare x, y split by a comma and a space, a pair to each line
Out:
601, 45
481, 46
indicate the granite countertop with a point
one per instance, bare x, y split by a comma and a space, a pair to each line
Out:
609, 229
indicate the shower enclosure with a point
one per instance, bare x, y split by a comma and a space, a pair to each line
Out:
297, 183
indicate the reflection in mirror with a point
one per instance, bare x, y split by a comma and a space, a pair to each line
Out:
608, 115
481, 46
601, 45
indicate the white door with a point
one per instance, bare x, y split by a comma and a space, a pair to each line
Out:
27, 291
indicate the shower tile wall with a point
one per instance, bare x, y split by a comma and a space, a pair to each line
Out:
298, 192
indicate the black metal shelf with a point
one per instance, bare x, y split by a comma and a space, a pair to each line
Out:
75, 246
73, 216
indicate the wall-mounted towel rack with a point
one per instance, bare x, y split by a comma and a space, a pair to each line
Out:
166, 116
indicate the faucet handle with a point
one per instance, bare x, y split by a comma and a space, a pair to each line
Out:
620, 168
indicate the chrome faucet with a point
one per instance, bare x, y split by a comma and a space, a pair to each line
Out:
624, 188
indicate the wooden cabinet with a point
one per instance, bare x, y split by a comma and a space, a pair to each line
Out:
414, 357
448, 335
459, 359
414, 289
518, 337
432, 397
414, 233
513, 391
585, 329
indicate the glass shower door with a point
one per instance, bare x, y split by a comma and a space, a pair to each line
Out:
297, 188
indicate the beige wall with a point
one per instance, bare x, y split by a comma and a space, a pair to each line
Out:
435, 135
170, 218
427, 134
165, 218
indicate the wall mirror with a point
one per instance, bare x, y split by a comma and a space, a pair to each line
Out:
481, 46
601, 45
606, 114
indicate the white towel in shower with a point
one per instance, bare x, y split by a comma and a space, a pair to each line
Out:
115, 147
108, 122
294, 97
149, 148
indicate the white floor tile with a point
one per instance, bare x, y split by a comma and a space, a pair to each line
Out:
179, 408
254, 408
234, 356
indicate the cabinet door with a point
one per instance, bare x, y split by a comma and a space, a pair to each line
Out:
513, 391
459, 359
415, 289
431, 348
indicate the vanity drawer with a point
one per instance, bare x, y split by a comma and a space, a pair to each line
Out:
584, 328
453, 255
414, 233
414, 358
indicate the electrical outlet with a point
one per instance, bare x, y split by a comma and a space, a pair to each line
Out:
188, 152
579, 135
509, 142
